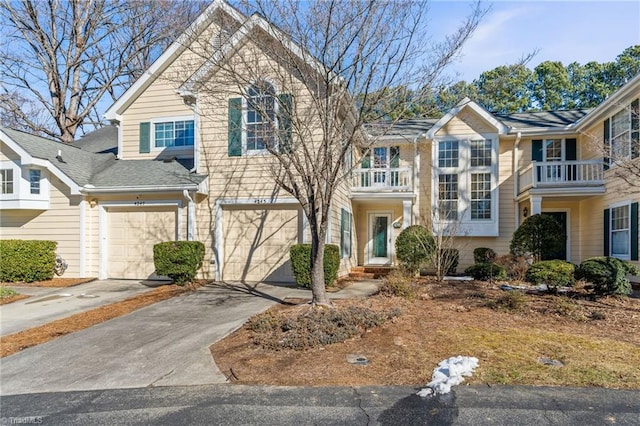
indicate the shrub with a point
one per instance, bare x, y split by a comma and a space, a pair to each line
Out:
300, 255
510, 301
553, 273
27, 260
486, 272
483, 255
516, 266
179, 260
608, 275
449, 258
539, 235
397, 283
317, 327
413, 247
7, 292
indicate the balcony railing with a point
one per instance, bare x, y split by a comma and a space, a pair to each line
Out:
547, 174
381, 179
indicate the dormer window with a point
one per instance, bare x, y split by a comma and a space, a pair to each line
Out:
34, 181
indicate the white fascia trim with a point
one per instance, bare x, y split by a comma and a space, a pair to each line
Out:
617, 96
546, 131
466, 102
27, 159
169, 55
142, 189
383, 196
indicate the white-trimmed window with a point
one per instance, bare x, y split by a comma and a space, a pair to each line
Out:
622, 132
6, 181
465, 174
346, 222
34, 181
260, 118
448, 196
173, 134
480, 196
621, 231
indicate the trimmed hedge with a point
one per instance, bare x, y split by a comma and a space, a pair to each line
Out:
300, 255
484, 255
413, 247
486, 272
553, 273
179, 260
27, 260
607, 274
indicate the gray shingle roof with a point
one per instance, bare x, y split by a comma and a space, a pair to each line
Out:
103, 170
100, 141
406, 128
542, 119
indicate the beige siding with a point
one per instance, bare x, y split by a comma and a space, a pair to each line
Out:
466, 122
61, 223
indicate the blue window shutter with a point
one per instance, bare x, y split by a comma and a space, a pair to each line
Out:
634, 231
145, 138
635, 129
284, 122
607, 142
235, 127
536, 150
607, 228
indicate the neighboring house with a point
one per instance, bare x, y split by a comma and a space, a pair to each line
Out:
179, 165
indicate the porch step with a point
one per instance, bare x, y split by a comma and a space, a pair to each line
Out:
362, 275
370, 272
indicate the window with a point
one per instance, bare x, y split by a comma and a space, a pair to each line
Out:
620, 231
346, 220
480, 196
448, 154
34, 181
260, 117
622, 133
480, 153
448, 196
173, 134
6, 181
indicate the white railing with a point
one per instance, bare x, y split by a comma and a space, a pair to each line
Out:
382, 179
541, 174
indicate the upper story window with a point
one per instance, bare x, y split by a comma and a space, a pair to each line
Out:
480, 152
448, 153
169, 134
260, 118
34, 181
621, 132
6, 181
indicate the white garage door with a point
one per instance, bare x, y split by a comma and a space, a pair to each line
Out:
256, 244
132, 232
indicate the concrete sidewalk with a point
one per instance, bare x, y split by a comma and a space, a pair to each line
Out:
49, 304
163, 344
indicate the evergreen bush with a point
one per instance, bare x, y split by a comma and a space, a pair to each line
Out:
553, 273
413, 247
486, 272
539, 235
27, 260
179, 260
608, 275
300, 255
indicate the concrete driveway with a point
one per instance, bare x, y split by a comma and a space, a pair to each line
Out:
49, 304
160, 345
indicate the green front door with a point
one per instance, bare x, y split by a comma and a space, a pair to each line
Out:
380, 226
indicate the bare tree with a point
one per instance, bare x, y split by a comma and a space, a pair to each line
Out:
65, 57
448, 241
329, 60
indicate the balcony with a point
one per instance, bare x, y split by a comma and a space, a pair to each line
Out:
586, 176
382, 180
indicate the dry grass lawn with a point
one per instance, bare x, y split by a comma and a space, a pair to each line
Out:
598, 341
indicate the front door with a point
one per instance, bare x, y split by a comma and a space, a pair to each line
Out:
561, 218
379, 246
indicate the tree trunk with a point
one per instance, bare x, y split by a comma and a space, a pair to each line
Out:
318, 290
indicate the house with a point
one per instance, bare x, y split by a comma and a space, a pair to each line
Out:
177, 164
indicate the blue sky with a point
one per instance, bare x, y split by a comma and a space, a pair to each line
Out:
565, 31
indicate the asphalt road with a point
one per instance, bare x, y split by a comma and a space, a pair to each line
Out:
226, 404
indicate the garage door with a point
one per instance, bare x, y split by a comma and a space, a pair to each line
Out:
256, 244
132, 232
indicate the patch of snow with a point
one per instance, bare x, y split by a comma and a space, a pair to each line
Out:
450, 372
463, 278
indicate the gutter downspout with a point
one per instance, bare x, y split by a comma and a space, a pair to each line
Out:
191, 216
516, 177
